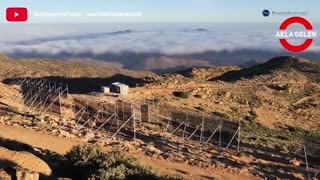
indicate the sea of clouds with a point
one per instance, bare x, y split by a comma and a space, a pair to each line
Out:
167, 39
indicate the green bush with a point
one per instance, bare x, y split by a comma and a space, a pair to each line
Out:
181, 94
253, 114
252, 117
89, 162
286, 87
157, 81
295, 130
157, 100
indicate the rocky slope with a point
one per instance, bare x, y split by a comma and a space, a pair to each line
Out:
276, 102
281, 92
12, 68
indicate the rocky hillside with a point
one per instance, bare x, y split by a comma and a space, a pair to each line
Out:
310, 69
277, 104
281, 92
45, 67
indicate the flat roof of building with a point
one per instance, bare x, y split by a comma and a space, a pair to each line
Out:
118, 84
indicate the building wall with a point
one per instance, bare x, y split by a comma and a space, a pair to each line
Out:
124, 90
105, 89
119, 89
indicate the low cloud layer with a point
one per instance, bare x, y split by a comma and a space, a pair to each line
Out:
167, 39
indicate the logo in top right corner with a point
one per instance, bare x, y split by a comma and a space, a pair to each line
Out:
308, 34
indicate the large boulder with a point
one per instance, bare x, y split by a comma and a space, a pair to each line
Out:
25, 160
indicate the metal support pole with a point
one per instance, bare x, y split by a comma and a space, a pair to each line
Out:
233, 138
238, 149
117, 110
81, 110
87, 122
114, 119
157, 114
114, 114
123, 111
168, 124
176, 128
121, 127
306, 157
184, 130
84, 111
193, 133
134, 128
201, 134
220, 133
212, 134
67, 91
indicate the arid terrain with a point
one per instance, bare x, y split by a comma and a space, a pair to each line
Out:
266, 114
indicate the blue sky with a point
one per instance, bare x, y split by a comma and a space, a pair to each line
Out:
168, 10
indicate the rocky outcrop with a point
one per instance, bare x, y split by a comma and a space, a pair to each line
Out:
25, 160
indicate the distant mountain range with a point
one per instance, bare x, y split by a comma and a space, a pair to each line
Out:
161, 63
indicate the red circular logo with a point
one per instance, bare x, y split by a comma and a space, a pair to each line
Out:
302, 46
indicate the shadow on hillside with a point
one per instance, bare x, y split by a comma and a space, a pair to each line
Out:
278, 63
9, 168
4, 163
177, 69
90, 84
235, 75
15, 145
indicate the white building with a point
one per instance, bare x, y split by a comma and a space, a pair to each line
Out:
118, 87
105, 89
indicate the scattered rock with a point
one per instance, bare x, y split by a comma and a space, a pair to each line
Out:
54, 131
153, 149
2, 119
22, 174
64, 133
89, 135
227, 95
166, 155
188, 150
4, 175
295, 162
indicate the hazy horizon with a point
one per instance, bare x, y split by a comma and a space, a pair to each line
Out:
105, 39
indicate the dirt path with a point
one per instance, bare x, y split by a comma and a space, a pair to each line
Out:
38, 139
62, 145
193, 172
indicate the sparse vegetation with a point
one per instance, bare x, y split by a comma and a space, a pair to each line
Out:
296, 130
286, 87
157, 81
157, 100
255, 101
220, 114
181, 94
253, 114
90, 162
